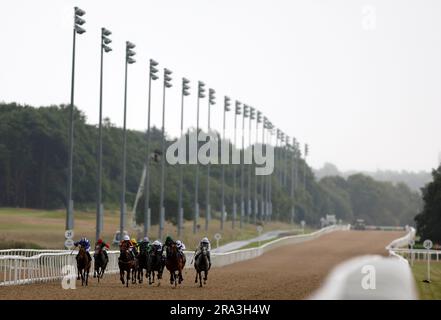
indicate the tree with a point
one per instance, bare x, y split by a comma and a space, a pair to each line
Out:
429, 220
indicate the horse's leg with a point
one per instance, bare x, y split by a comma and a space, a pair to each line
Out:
87, 276
180, 276
171, 277
121, 275
134, 274
127, 278
196, 279
103, 268
82, 277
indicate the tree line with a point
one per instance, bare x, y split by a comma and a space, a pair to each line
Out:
33, 173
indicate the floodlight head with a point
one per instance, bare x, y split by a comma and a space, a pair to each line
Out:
79, 12
130, 45
106, 48
105, 32
227, 103
107, 40
167, 72
79, 21
79, 30
153, 63
185, 87
130, 60
154, 77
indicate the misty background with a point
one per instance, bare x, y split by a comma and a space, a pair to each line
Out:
357, 80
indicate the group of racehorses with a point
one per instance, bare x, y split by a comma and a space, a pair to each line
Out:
132, 267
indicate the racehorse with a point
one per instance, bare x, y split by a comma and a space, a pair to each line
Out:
175, 263
83, 265
201, 264
142, 263
155, 263
127, 263
101, 261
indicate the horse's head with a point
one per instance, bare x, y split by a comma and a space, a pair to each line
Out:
81, 249
204, 251
172, 250
98, 249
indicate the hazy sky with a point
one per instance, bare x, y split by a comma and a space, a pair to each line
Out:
360, 81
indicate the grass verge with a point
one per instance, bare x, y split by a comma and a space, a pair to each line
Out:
432, 290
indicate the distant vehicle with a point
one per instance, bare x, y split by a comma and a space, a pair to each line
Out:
117, 237
359, 225
328, 221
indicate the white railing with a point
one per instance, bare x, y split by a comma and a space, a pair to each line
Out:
403, 241
400, 248
417, 254
43, 267
222, 259
22, 266
28, 252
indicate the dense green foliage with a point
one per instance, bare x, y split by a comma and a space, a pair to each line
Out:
414, 180
33, 170
429, 220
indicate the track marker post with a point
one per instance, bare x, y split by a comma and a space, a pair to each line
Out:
411, 244
428, 245
217, 237
259, 230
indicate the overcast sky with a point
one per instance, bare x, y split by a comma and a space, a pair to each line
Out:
360, 81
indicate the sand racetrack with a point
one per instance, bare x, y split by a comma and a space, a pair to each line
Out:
288, 272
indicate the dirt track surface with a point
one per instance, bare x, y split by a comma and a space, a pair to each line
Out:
288, 272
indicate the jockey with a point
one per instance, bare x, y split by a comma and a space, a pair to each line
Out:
157, 247
85, 243
181, 247
126, 241
168, 242
103, 246
145, 244
205, 243
135, 245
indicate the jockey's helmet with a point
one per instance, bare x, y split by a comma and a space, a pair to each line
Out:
178, 243
205, 240
146, 239
126, 237
100, 241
